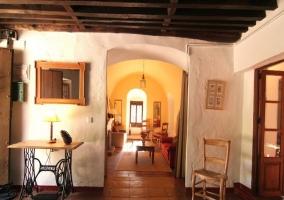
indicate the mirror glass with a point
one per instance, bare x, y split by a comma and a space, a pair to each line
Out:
60, 82
118, 115
157, 114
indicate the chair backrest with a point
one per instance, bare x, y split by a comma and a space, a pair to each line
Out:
146, 124
208, 156
165, 128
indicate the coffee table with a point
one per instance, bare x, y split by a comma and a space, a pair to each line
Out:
149, 146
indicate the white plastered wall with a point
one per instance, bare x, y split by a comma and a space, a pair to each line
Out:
213, 63
264, 46
92, 48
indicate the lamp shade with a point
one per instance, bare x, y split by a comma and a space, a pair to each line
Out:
51, 116
143, 82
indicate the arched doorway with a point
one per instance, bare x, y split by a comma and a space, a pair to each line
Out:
161, 66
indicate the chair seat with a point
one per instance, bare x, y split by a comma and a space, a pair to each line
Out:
209, 175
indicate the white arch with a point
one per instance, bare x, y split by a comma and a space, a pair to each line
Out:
147, 51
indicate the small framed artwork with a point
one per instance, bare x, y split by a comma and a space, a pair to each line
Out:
215, 94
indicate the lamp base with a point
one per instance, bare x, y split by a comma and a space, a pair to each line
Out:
51, 141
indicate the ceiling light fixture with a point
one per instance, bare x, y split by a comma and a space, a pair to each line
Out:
143, 80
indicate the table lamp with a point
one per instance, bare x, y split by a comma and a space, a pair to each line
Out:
113, 112
51, 117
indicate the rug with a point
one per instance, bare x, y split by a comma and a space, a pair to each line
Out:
127, 162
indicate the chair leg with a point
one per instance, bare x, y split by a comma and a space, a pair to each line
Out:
193, 185
224, 190
221, 189
204, 188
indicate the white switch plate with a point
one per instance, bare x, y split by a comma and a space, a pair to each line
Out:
90, 120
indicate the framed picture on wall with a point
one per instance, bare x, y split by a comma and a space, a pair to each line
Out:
157, 114
215, 94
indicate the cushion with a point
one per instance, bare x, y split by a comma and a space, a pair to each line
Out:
165, 139
114, 129
175, 140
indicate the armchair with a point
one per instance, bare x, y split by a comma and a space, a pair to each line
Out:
156, 137
168, 149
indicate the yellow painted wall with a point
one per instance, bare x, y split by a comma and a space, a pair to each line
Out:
163, 84
154, 92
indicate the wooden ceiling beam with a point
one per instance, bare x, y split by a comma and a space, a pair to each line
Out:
253, 17
202, 35
194, 4
211, 20
70, 10
47, 19
139, 28
171, 12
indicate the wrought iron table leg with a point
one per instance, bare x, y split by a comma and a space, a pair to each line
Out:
29, 181
67, 180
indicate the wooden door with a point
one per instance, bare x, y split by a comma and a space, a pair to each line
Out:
271, 133
6, 59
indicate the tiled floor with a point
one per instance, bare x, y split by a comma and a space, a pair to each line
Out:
128, 185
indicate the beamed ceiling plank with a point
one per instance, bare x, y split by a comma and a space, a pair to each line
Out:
188, 28
211, 20
210, 36
31, 19
70, 10
195, 4
257, 16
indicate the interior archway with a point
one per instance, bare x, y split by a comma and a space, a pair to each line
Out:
163, 65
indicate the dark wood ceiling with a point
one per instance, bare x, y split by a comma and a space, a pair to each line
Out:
210, 20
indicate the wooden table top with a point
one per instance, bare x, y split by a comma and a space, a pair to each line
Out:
43, 144
147, 144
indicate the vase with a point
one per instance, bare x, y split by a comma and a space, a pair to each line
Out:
143, 141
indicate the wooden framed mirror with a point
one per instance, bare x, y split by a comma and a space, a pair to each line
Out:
60, 82
157, 114
118, 115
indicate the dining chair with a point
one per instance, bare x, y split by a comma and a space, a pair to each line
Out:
156, 137
214, 170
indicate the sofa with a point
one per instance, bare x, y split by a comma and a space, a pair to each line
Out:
118, 139
168, 149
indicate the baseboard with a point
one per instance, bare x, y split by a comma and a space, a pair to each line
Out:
55, 188
243, 191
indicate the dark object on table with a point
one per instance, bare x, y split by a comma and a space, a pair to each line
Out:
66, 137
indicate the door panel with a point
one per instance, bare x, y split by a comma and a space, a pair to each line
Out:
271, 133
272, 184
6, 58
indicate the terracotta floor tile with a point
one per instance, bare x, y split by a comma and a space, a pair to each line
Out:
154, 183
138, 192
119, 192
174, 192
121, 184
157, 192
129, 185
138, 184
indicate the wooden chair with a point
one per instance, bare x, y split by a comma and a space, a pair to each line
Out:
146, 124
212, 177
156, 137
